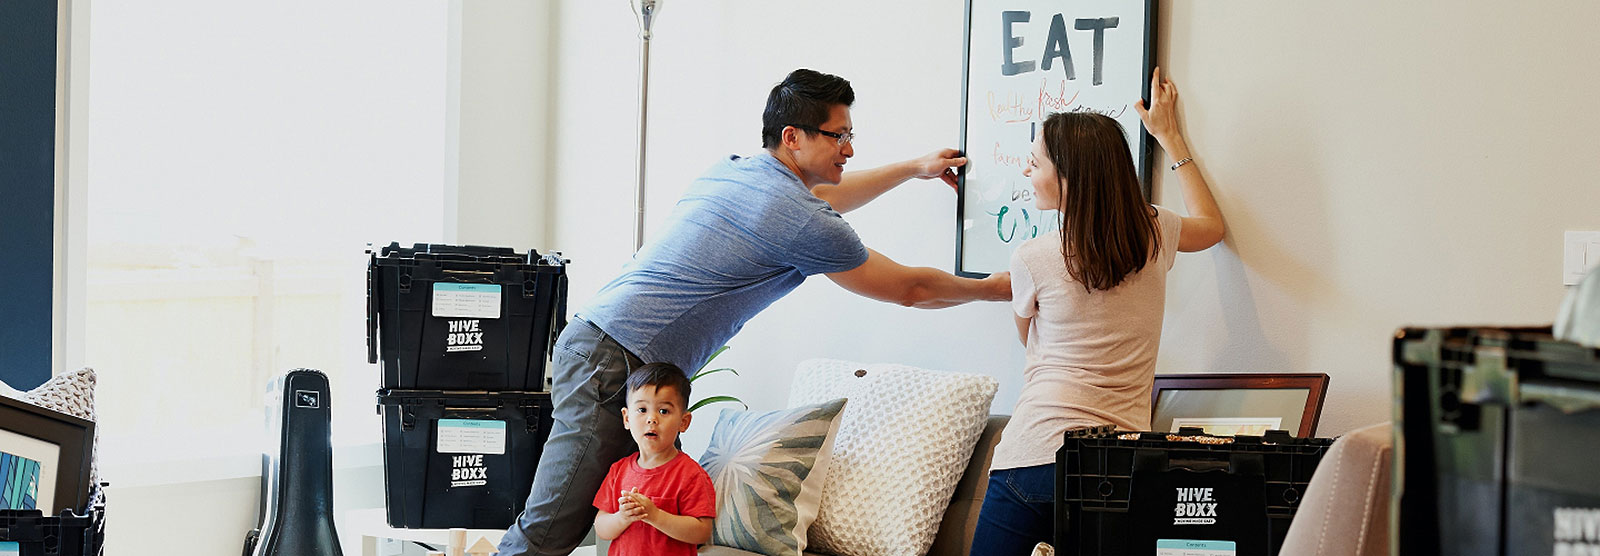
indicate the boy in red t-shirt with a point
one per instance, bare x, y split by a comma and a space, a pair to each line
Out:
657, 502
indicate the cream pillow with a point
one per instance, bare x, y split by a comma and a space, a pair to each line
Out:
73, 394
903, 441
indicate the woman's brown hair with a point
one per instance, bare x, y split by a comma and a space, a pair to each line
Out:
1108, 229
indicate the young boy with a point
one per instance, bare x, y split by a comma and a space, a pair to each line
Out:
657, 502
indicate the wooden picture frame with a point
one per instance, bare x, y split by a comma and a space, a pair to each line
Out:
1023, 60
61, 483
1225, 399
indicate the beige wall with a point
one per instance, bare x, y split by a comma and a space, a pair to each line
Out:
1379, 163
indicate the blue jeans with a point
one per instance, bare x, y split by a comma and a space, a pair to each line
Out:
1017, 511
590, 370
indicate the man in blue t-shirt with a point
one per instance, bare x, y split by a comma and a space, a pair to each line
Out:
745, 234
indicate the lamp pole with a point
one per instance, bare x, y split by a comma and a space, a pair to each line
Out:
644, 11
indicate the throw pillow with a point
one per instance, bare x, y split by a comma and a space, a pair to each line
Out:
902, 445
769, 468
73, 394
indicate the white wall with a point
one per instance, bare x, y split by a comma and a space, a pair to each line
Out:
212, 516
499, 69
1379, 164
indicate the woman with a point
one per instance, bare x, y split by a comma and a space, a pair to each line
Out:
1088, 300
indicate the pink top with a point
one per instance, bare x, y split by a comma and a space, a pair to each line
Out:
1091, 355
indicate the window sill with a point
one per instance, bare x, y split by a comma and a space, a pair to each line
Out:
194, 468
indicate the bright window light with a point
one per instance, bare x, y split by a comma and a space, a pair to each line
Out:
240, 157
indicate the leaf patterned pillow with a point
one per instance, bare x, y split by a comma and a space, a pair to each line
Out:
768, 468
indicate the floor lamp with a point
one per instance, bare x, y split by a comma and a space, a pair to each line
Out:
645, 12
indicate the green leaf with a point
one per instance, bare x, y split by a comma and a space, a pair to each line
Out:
716, 399
704, 373
714, 355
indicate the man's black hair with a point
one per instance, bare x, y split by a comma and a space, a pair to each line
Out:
659, 375
803, 100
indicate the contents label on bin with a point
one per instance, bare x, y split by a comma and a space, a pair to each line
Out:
480, 301
472, 436
1181, 547
10, 548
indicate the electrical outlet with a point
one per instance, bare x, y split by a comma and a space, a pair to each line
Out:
1579, 253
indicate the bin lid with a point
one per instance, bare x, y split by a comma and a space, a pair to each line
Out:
393, 253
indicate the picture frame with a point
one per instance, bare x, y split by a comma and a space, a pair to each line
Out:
29, 433
1239, 403
1023, 60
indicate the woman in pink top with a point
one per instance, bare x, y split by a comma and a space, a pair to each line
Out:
1088, 300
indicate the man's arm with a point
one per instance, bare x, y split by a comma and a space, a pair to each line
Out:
925, 288
861, 187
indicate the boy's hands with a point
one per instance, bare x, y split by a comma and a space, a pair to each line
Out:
633, 506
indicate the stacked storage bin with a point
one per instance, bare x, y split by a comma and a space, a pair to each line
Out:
464, 334
1186, 493
30, 533
1496, 428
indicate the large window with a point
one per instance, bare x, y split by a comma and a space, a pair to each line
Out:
241, 155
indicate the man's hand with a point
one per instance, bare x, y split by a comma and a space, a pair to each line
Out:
999, 286
940, 164
861, 187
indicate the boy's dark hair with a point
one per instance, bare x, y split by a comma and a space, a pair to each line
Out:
659, 375
803, 100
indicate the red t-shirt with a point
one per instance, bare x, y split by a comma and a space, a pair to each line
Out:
679, 487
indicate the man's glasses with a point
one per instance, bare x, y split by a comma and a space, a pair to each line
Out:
842, 138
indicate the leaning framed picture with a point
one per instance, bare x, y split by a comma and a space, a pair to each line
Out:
44, 458
1230, 404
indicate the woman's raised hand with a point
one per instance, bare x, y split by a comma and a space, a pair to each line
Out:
1161, 118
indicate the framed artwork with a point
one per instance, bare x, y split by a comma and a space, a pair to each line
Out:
1026, 60
44, 458
1239, 403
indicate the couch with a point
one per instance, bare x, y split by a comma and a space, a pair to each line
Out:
960, 518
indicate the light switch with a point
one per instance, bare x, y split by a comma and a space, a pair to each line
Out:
1580, 253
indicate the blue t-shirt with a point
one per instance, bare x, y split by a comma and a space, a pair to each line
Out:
745, 234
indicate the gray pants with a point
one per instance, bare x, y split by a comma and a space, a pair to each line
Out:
590, 372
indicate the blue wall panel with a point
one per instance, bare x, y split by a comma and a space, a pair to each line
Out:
27, 188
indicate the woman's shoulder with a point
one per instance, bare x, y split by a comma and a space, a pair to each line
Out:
1164, 214
1046, 245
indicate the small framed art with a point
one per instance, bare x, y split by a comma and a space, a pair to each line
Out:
44, 458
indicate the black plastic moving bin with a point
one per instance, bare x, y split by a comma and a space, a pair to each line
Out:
1117, 497
460, 459
1497, 432
463, 317
35, 534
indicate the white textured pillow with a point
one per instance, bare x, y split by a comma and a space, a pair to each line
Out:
903, 441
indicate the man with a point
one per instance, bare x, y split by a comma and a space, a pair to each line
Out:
745, 234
